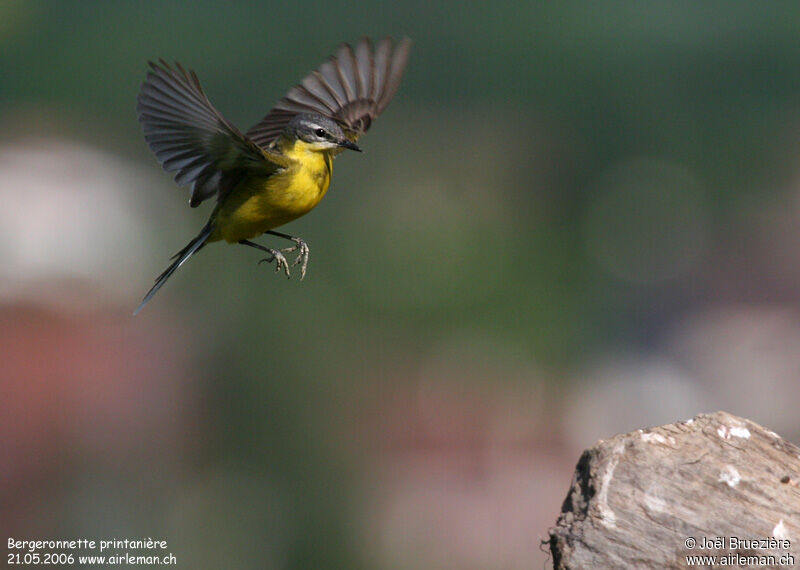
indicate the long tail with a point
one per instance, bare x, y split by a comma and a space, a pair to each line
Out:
180, 258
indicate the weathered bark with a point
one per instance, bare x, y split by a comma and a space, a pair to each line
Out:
636, 498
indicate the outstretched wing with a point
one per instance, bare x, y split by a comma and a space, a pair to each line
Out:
190, 137
352, 87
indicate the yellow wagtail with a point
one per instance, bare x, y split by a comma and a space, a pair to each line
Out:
281, 168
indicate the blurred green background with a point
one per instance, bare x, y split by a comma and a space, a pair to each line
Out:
575, 219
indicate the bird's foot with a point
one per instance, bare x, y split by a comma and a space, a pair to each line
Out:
302, 257
279, 259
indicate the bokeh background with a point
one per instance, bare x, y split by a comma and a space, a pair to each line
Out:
575, 219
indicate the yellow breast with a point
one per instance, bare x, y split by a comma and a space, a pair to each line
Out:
261, 203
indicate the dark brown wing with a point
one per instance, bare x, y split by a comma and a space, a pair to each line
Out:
352, 87
190, 137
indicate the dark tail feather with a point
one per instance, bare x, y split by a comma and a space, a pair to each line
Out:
191, 248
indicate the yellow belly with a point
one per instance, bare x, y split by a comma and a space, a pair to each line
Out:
259, 204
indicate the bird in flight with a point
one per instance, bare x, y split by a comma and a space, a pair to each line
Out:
281, 168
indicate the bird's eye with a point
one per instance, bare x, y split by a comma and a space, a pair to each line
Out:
320, 133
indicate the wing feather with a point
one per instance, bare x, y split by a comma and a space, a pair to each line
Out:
303, 96
190, 137
363, 69
330, 73
397, 67
337, 99
380, 67
316, 87
353, 88
345, 65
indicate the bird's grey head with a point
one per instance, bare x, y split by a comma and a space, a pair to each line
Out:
318, 131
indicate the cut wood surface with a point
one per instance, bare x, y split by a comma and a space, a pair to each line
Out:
652, 498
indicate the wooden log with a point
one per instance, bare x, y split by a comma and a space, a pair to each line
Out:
651, 498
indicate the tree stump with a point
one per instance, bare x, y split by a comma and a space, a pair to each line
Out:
716, 485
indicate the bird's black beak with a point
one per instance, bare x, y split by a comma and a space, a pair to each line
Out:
344, 143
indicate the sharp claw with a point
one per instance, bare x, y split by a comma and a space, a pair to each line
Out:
304, 265
302, 258
280, 261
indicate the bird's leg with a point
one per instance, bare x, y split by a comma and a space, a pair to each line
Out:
300, 244
277, 256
